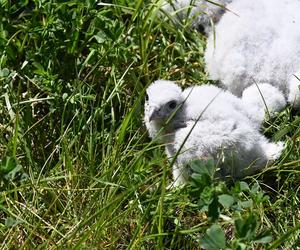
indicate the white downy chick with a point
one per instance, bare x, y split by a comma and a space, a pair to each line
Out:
223, 131
258, 42
255, 42
203, 13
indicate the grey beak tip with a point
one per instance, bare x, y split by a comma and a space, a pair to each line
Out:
153, 116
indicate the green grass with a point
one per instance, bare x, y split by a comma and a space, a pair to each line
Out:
77, 168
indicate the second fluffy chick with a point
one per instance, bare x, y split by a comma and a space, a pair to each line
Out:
206, 122
253, 49
258, 43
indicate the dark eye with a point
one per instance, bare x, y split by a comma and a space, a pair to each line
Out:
147, 97
172, 104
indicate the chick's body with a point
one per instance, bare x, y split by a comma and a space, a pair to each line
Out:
213, 124
213, 104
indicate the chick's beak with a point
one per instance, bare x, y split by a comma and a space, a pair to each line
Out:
154, 114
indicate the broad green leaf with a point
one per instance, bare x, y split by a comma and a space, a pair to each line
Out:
4, 72
246, 204
226, 200
202, 179
10, 222
244, 186
214, 238
101, 37
203, 167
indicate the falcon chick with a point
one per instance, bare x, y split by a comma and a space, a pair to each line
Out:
258, 43
206, 122
253, 49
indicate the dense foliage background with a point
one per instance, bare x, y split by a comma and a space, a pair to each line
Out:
77, 169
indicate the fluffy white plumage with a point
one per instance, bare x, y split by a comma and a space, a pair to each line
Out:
258, 45
223, 129
262, 98
255, 42
227, 106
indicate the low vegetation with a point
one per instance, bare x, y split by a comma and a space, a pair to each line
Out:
77, 169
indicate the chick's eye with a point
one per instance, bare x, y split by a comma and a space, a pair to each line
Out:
172, 104
147, 97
